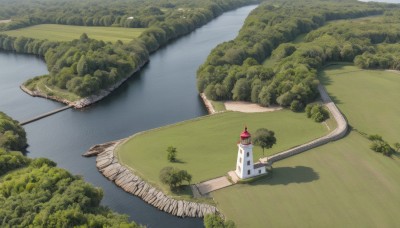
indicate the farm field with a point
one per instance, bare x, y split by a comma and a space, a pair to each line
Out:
55, 32
341, 184
207, 146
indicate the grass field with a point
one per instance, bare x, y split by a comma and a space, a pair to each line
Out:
207, 146
68, 32
341, 184
369, 99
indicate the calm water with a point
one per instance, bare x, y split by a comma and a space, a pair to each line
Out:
164, 92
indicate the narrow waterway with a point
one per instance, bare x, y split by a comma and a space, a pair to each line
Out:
164, 92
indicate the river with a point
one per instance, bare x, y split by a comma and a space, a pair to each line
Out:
164, 92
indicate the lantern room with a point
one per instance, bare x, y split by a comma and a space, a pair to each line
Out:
245, 137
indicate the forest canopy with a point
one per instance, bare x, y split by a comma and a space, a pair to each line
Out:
86, 66
235, 70
34, 192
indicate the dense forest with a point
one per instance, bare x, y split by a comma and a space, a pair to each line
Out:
236, 70
34, 192
86, 66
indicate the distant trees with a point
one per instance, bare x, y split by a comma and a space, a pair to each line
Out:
86, 66
264, 138
12, 135
171, 153
174, 177
291, 79
317, 112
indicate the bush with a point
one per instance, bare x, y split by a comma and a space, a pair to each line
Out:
171, 153
215, 221
317, 112
296, 106
379, 145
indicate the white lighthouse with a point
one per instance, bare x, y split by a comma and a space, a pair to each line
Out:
245, 166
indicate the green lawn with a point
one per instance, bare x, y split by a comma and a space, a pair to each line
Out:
369, 99
68, 32
341, 184
207, 146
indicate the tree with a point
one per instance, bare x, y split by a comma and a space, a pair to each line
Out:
174, 177
171, 153
241, 91
264, 138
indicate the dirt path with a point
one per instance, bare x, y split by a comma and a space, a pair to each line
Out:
241, 106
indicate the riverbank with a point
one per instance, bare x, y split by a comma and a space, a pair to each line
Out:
86, 101
107, 163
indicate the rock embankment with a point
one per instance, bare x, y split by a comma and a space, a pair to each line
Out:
336, 134
207, 103
86, 101
108, 165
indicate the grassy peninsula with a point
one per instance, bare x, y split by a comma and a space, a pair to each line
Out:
54, 32
207, 146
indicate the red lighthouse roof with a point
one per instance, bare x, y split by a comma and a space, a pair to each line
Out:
245, 134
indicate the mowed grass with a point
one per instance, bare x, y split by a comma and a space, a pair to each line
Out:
341, 184
54, 32
369, 98
207, 146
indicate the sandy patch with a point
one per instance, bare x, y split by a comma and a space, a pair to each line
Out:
4, 21
241, 106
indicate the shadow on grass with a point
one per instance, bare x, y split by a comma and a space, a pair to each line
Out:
179, 161
289, 175
183, 190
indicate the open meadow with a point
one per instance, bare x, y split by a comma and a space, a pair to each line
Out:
368, 98
341, 184
55, 32
207, 146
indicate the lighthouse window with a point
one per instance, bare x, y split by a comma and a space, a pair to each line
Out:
239, 168
240, 160
248, 172
247, 154
259, 171
248, 162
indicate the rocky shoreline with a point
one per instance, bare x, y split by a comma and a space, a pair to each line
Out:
208, 104
86, 101
107, 163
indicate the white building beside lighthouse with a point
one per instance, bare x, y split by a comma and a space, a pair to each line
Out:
245, 167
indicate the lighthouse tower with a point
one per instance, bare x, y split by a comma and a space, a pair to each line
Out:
245, 166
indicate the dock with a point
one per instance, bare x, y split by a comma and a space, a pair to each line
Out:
45, 115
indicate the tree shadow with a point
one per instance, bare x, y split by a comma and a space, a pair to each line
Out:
289, 175
178, 161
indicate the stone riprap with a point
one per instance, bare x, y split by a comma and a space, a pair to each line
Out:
107, 163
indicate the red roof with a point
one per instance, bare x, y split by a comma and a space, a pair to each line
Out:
245, 134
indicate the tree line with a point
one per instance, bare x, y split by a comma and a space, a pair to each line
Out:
34, 192
85, 66
234, 70
121, 13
